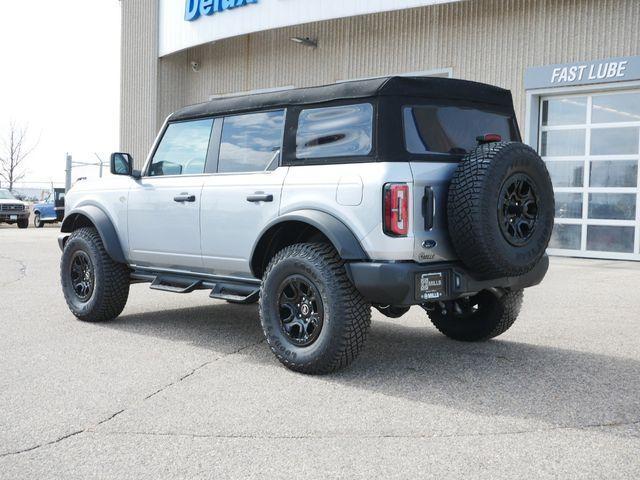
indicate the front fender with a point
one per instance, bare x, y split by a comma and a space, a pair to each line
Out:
98, 218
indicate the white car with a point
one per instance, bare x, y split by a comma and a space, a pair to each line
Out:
321, 203
13, 210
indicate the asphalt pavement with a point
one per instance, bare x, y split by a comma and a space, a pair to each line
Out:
180, 386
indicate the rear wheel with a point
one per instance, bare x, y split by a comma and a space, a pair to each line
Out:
480, 317
95, 287
314, 319
37, 222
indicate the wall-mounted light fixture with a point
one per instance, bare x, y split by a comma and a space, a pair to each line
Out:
306, 41
195, 66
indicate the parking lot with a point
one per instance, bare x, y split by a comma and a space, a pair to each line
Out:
184, 387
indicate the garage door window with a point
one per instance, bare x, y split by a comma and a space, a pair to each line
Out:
591, 144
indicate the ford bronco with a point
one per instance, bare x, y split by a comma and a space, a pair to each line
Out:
320, 203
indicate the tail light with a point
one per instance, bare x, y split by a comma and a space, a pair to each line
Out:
396, 209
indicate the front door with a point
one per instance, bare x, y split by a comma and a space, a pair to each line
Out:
164, 205
243, 196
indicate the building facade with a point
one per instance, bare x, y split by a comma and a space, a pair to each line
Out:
573, 67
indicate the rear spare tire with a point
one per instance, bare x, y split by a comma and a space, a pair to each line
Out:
501, 209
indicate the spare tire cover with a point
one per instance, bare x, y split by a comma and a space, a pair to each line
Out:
501, 209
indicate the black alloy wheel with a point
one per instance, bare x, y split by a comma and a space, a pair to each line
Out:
314, 319
500, 210
82, 275
95, 286
518, 209
301, 310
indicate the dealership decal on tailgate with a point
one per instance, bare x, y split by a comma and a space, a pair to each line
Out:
432, 286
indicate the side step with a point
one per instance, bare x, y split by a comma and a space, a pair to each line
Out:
243, 294
231, 290
175, 284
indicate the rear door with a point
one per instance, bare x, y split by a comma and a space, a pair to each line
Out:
164, 205
243, 195
437, 137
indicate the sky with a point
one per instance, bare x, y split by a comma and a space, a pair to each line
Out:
60, 75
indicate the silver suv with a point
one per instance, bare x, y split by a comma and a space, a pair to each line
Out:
320, 203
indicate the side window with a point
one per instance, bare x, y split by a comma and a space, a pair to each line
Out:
251, 142
183, 149
345, 131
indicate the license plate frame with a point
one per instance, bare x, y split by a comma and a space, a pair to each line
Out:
432, 286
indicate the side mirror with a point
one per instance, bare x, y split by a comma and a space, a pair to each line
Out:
122, 164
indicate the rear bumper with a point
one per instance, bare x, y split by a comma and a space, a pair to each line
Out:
400, 283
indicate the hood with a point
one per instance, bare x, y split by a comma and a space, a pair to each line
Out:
13, 201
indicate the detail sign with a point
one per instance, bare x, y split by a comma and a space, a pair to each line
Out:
194, 9
583, 73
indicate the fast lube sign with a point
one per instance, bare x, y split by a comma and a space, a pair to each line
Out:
194, 9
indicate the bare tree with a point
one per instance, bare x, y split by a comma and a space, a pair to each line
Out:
13, 153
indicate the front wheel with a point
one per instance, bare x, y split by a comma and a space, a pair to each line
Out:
314, 319
23, 223
95, 287
480, 317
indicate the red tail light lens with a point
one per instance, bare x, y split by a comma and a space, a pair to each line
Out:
396, 209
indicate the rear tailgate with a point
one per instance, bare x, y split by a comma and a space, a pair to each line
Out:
431, 184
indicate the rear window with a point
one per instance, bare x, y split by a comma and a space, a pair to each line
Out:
344, 131
431, 129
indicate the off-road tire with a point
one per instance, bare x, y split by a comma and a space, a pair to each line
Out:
494, 316
347, 316
37, 222
23, 223
111, 279
473, 209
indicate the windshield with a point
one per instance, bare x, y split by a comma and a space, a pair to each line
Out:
431, 129
6, 195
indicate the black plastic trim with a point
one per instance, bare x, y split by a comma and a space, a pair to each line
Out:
385, 283
342, 238
102, 223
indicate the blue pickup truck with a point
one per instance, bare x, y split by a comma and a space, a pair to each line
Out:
51, 210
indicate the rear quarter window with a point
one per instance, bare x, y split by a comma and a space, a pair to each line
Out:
451, 130
344, 131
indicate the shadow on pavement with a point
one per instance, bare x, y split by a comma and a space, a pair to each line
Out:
501, 377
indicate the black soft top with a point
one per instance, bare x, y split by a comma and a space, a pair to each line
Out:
425, 87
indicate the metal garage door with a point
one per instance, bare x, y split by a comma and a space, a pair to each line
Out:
591, 144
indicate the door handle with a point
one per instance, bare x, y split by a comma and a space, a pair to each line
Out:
184, 198
260, 197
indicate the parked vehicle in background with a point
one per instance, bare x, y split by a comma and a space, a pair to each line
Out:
51, 210
13, 210
321, 203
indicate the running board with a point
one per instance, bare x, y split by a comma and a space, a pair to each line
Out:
175, 284
233, 291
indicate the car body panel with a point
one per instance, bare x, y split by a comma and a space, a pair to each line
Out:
317, 187
230, 224
162, 231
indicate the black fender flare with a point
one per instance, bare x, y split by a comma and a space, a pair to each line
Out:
341, 236
103, 224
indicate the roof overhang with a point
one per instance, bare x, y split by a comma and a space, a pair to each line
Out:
188, 23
